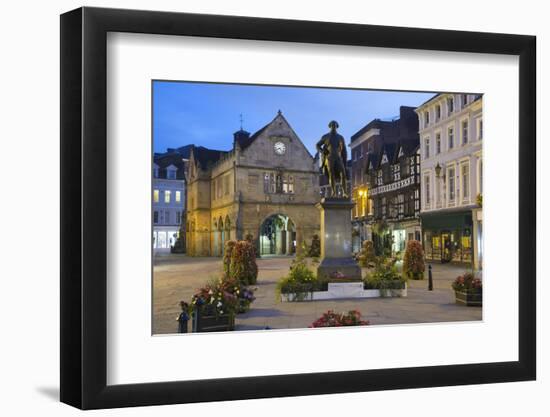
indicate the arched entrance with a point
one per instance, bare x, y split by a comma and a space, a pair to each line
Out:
277, 236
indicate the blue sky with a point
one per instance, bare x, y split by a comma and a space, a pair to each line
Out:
208, 114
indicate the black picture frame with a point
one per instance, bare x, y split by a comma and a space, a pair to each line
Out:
84, 207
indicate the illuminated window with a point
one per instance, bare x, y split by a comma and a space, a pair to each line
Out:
288, 184
167, 196
178, 196
156, 196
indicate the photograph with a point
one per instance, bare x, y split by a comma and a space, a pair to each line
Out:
280, 207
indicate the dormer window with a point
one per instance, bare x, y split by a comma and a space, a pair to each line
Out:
171, 172
155, 171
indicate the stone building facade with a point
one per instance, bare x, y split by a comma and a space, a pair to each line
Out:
267, 186
366, 145
168, 197
451, 150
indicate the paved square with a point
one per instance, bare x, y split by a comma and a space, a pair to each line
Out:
177, 277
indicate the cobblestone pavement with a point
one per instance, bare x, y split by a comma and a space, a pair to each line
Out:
176, 277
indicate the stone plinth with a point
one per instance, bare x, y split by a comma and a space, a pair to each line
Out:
336, 239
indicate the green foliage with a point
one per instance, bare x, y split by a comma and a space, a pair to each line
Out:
315, 248
413, 261
300, 281
479, 200
239, 262
384, 277
367, 256
227, 253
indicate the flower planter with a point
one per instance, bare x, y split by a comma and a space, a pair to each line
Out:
339, 291
205, 320
469, 298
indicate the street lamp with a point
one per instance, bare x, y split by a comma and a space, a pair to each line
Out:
438, 170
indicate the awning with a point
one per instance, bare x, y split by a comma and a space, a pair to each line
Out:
438, 221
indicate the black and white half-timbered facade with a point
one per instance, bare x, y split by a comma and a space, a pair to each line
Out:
394, 188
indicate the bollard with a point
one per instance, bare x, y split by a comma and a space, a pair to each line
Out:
430, 279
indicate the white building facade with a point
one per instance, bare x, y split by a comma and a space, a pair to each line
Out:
451, 166
168, 204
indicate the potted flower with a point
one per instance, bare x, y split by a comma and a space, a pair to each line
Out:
214, 307
332, 319
413, 261
468, 290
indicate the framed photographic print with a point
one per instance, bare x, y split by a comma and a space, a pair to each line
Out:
257, 208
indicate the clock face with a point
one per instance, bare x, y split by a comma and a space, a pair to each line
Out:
280, 148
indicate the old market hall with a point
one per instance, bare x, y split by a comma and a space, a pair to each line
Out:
266, 186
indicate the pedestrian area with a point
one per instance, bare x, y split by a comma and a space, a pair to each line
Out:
176, 278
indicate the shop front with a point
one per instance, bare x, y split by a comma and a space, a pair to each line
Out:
447, 237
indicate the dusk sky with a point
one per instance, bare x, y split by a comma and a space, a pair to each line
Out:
208, 114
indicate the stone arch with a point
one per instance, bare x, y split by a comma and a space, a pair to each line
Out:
277, 235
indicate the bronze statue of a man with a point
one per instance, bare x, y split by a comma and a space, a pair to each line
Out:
333, 153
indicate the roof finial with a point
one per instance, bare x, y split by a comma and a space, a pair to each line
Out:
279, 112
241, 120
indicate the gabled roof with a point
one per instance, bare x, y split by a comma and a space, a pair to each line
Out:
391, 150
166, 159
205, 156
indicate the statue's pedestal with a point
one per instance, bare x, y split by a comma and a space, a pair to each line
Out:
336, 240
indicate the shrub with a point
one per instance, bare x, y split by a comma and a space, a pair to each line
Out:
413, 261
223, 296
227, 254
218, 296
367, 255
332, 319
467, 282
250, 239
300, 280
242, 266
384, 277
315, 248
